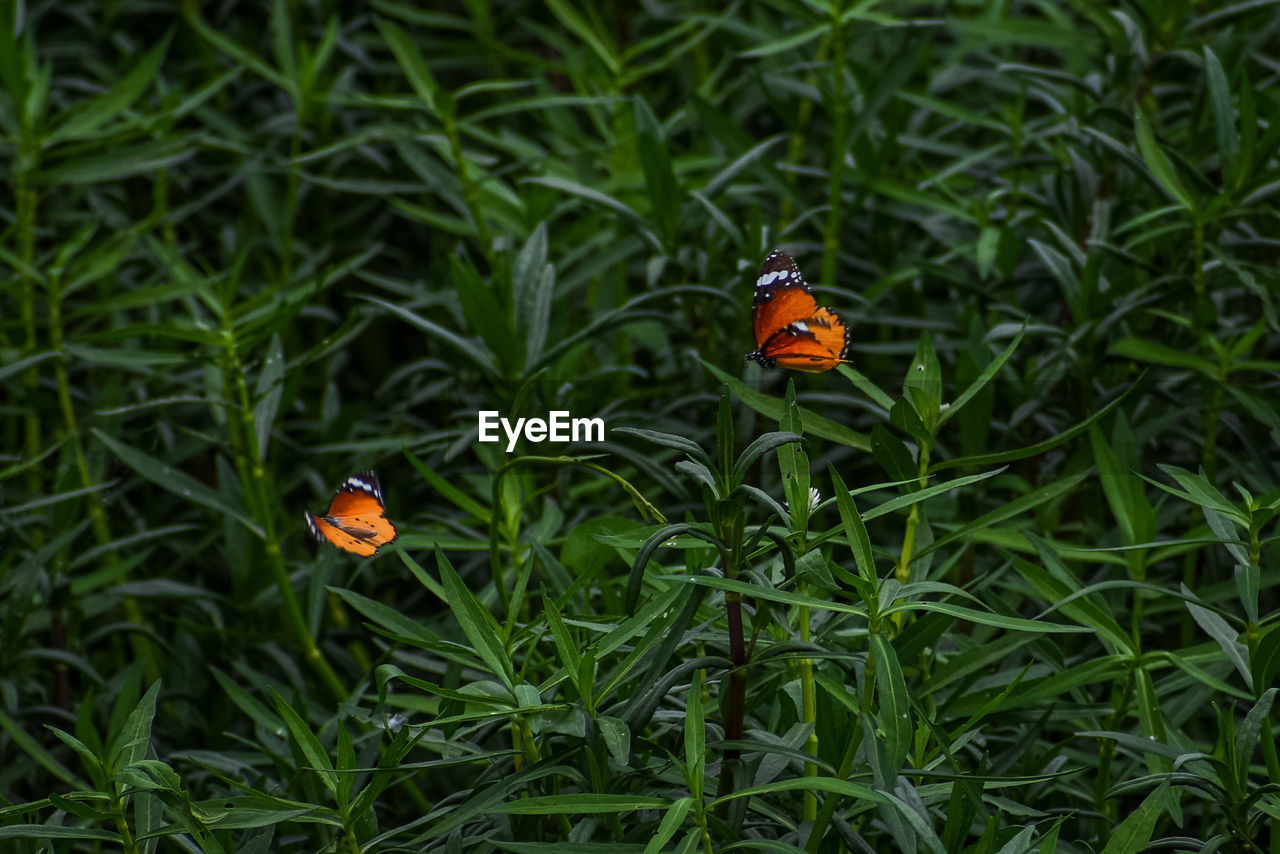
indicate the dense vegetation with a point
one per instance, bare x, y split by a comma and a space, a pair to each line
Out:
251, 249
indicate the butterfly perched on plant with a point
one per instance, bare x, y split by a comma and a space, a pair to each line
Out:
792, 330
356, 520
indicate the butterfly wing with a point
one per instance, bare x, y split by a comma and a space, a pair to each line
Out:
356, 521
325, 532
791, 329
815, 344
782, 297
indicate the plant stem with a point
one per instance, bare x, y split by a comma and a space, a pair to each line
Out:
26, 215
828, 809
1105, 753
839, 144
249, 463
138, 641
809, 710
903, 571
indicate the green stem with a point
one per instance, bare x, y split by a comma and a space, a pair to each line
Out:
26, 215
138, 641
903, 571
809, 711
1105, 754
839, 145
127, 843
828, 809
257, 491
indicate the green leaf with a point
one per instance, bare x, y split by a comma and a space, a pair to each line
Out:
988, 373
1203, 493
866, 386
1159, 164
1014, 508
533, 284
46, 760
910, 498
669, 825
576, 24
479, 355
135, 736
855, 532
1013, 624
579, 804
119, 162
1158, 354
758, 448
233, 49
315, 754
695, 737
269, 390
660, 178
1067, 435
1247, 735
849, 789
1265, 661
1224, 123
85, 120
793, 462
413, 65
617, 738
178, 482
627, 214
485, 313
892, 455
40, 832
395, 623
1088, 610
477, 623
1220, 630
895, 705
282, 47
565, 646
1132, 835
771, 408
447, 490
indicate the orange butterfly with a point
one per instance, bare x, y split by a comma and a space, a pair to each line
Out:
356, 521
792, 330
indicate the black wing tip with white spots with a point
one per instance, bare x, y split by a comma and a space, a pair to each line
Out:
779, 270
365, 481
309, 518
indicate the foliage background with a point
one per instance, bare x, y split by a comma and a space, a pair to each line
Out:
250, 249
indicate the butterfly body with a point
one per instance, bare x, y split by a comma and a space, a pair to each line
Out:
356, 520
791, 329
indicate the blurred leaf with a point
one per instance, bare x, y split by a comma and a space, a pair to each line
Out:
269, 390
576, 24
178, 482
86, 119
1159, 164
121, 162
1224, 123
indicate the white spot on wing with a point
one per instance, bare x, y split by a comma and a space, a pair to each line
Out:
769, 278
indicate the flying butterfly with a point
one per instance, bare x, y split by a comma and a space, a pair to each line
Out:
356, 520
792, 330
